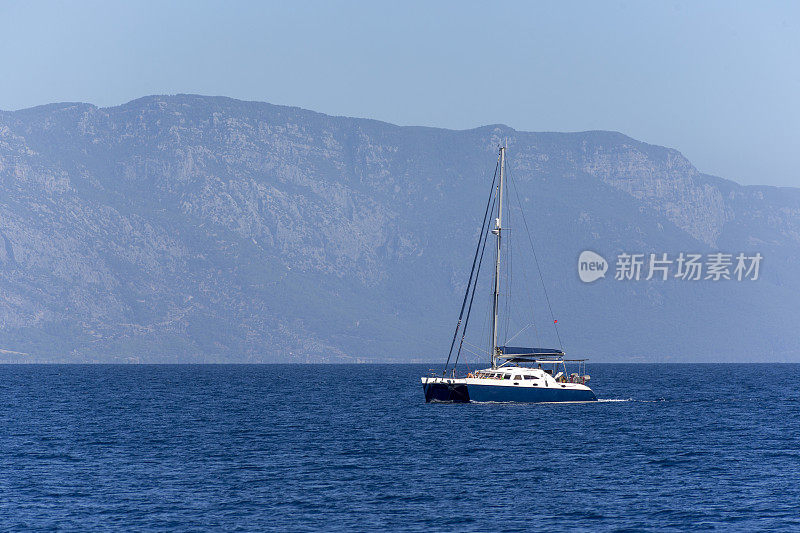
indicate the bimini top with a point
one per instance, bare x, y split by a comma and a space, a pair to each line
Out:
518, 351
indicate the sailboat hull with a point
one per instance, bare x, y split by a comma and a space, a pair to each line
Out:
493, 393
463, 390
446, 392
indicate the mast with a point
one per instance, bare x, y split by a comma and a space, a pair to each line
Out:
497, 230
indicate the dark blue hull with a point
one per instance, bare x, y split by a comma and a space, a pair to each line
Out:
461, 393
446, 392
493, 393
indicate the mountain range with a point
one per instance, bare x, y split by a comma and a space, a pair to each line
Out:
191, 228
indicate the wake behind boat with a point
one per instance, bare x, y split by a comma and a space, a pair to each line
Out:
516, 374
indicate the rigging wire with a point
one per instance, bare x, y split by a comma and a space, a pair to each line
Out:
509, 271
484, 232
476, 347
536, 260
474, 350
517, 334
474, 290
533, 308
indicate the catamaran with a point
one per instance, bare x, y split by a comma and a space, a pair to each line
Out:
516, 374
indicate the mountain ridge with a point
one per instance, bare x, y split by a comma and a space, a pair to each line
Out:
192, 228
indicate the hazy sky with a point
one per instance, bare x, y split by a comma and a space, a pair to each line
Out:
719, 81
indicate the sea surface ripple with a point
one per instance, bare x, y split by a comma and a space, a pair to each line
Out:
354, 447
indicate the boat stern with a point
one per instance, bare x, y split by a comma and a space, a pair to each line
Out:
445, 390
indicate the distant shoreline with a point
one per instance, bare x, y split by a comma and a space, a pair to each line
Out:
435, 366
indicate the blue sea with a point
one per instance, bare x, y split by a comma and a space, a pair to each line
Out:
355, 448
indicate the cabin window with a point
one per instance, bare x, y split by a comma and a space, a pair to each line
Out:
517, 378
507, 376
530, 377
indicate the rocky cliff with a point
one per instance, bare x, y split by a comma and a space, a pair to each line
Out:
190, 228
